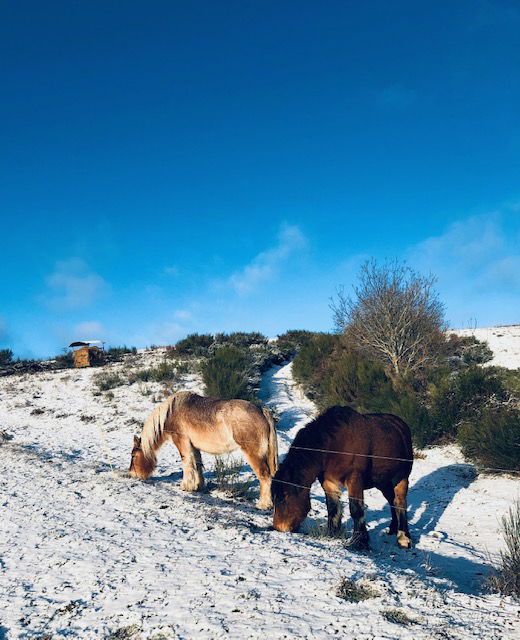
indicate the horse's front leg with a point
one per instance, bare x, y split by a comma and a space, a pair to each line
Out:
332, 496
357, 511
192, 478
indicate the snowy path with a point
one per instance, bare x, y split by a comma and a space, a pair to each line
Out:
292, 408
84, 554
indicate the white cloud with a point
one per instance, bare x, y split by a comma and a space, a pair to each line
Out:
469, 242
266, 264
182, 314
160, 333
477, 263
73, 285
89, 330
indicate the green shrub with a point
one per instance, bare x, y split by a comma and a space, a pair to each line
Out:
240, 339
492, 439
163, 372
6, 356
194, 344
351, 379
461, 396
506, 577
225, 374
290, 342
119, 351
312, 355
511, 381
465, 350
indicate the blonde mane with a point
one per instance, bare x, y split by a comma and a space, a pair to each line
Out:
153, 428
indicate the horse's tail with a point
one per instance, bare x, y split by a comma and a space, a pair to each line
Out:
153, 432
272, 443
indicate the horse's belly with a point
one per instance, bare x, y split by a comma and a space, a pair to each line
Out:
214, 443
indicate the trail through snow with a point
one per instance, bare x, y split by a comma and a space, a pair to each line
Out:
87, 555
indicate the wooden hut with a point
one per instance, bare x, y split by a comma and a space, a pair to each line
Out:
87, 353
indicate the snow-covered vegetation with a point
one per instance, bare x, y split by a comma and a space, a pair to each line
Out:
88, 552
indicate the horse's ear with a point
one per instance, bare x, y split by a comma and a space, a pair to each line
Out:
137, 441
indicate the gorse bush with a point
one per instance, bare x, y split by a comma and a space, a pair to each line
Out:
312, 357
119, 351
225, 374
290, 342
459, 350
493, 439
240, 339
459, 397
194, 344
205, 344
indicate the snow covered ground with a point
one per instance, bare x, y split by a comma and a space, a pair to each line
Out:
87, 552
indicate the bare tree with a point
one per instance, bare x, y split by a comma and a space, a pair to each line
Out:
395, 314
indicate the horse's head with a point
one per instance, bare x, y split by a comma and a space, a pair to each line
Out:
291, 504
140, 467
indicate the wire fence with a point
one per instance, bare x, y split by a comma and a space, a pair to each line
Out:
337, 452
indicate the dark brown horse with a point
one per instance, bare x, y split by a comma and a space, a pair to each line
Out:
343, 448
194, 424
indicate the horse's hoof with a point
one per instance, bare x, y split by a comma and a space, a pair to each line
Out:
191, 487
359, 543
403, 541
264, 506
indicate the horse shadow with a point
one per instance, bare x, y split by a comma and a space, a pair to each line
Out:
428, 499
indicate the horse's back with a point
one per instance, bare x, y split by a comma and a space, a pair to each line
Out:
378, 446
219, 426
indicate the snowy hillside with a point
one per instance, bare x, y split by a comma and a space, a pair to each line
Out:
88, 552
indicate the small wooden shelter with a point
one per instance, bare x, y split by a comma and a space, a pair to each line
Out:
87, 353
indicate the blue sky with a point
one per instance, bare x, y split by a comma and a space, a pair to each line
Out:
169, 167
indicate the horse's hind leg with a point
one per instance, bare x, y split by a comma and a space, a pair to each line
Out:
332, 497
388, 491
192, 478
260, 466
357, 511
403, 535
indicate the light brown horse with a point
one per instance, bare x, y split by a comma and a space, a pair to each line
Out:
196, 424
343, 448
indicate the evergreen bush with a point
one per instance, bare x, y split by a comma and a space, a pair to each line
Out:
492, 439
194, 344
226, 374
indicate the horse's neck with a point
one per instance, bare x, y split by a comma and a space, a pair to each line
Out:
309, 471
